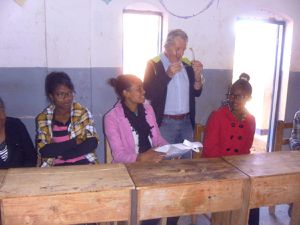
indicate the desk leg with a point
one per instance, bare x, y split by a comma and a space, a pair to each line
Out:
133, 214
220, 218
241, 215
235, 217
295, 217
1, 216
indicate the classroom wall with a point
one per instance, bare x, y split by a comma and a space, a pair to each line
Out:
84, 39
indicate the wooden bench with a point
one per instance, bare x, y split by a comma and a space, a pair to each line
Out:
187, 187
198, 136
2, 177
275, 179
66, 195
280, 139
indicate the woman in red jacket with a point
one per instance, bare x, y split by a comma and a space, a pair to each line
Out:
230, 129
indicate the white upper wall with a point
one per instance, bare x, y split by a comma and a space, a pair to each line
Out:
68, 32
88, 33
22, 34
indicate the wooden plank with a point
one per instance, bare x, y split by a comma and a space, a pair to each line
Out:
189, 199
67, 209
172, 172
274, 190
241, 215
267, 164
275, 178
222, 218
279, 171
60, 180
295, 217
280, 140
133, 218
2, 176
185, 187
66, 195
238, 216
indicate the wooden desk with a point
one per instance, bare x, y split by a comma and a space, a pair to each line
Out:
275, 178
66, 195
2, 176
185, 187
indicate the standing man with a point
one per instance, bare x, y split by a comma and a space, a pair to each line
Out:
171, 84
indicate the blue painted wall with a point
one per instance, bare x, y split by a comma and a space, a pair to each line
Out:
293, 96
22, 89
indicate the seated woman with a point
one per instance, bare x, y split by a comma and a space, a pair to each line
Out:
295, 135
230, 129
66, 133
295, 142
131, 127
16, 147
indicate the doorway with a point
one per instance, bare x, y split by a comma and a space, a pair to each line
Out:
258, 52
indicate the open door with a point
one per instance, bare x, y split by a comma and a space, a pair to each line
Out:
258, 52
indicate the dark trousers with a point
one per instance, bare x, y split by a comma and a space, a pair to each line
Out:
254, 216
170, 221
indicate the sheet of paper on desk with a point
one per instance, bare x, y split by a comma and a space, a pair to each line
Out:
176, 150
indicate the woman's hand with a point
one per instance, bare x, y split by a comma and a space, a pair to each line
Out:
79, 140
150, 156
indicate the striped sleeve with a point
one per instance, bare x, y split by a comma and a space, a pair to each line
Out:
295, 136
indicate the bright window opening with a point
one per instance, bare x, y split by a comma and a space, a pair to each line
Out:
141, 40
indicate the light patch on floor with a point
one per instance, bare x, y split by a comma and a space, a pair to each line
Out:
280, 218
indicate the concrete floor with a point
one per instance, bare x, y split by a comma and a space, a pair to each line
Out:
280, 218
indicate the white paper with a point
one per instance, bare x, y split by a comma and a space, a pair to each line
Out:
176, 150
193, 145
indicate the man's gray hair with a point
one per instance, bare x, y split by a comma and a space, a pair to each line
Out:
175, 33
2, 103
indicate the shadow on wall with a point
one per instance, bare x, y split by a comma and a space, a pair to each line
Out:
216, 86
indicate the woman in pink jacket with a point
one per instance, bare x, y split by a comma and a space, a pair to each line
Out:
130, 126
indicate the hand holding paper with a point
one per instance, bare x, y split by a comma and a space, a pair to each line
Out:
176, 150
150, 156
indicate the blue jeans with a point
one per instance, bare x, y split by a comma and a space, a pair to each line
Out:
175, 131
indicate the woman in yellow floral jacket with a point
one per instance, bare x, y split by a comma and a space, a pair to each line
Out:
66, 133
